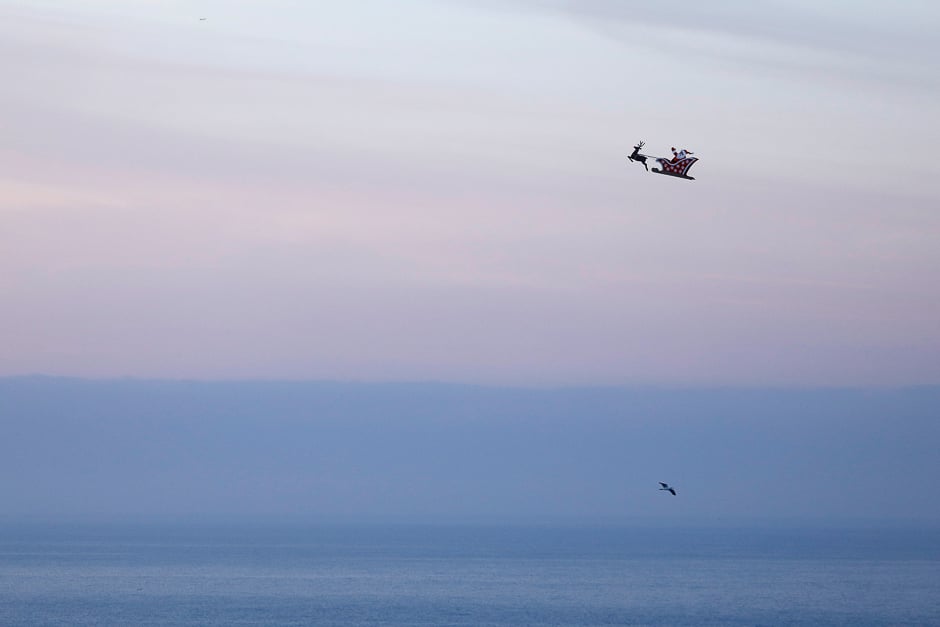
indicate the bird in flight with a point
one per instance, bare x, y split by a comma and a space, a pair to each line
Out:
667, 488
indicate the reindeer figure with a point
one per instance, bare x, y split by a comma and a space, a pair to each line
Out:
636, 156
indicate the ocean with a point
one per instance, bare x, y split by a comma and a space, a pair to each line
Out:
177, 574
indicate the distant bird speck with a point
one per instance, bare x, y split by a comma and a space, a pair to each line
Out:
202, 19
667, 488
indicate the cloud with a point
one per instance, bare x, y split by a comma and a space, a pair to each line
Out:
857, 41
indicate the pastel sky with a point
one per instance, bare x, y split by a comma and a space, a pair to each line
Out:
439, 190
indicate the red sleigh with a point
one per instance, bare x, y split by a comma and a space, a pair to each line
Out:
678, 168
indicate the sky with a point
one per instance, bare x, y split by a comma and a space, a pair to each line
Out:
439, 190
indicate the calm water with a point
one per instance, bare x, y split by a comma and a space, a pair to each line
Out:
450, 575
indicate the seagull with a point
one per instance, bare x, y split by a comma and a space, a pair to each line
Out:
667, 488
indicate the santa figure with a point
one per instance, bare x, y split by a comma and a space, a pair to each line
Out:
682, 154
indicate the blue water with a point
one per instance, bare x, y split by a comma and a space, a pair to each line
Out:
463, 575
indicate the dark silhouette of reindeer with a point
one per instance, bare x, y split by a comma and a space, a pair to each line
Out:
636, 156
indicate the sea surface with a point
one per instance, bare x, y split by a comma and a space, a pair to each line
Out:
467, 575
